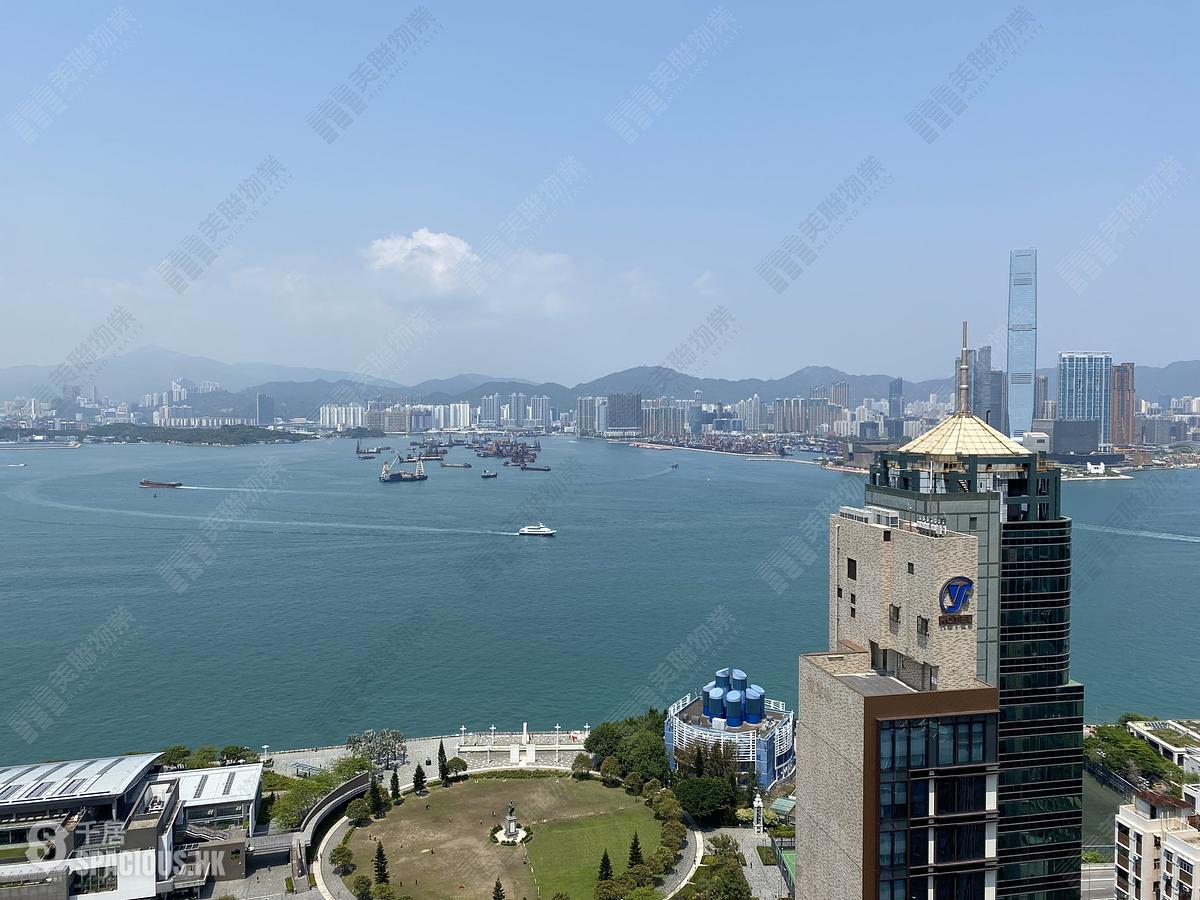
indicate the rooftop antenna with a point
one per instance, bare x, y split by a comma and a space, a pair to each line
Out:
963, 390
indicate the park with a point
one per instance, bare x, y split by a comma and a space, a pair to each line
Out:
440, 844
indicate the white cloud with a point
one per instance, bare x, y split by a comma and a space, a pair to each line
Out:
641, 284
705, 285
426, 255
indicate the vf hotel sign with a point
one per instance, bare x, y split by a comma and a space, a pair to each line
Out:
954, 600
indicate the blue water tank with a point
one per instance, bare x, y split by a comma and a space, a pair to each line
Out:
733, 708
716, 702
754, 705
704, 693
738, 679
723, 678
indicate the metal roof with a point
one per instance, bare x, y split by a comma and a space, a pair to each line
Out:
222, 784
56, 782
964, 435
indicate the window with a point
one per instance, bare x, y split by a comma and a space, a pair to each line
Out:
839, 593
852, 569
853, 612
911, 569
887, 535
973, 523
893, 613
922, 625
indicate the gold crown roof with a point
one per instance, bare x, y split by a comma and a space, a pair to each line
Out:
964, 435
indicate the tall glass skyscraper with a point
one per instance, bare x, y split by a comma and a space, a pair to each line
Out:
1085, 390
1022, 339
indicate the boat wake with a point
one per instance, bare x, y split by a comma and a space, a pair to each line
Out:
1129, 532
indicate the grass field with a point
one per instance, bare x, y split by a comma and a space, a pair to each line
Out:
445, 851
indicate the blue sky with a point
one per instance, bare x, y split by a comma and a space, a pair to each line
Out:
764, 122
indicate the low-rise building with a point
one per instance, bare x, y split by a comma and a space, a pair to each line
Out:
1175, 739
120, 829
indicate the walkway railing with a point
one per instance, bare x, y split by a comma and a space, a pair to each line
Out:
778, 845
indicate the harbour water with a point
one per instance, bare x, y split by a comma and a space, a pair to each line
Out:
327, 602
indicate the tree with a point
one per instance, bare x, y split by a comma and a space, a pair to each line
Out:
383, 892
582, 766
174, 756
610, 771
650, 788
381, 864
645, 892
662, 859
498, 891
342, 859
635, 852
385, 747
376, 800
233, 753
643, 752
443, 770
724, 847
358, 810
674, 834
744, 815
560, 896
608, 890
419, 780
604, 739
395, 786
361, 887
605, 873
202, 758
456, 767
633, 783
705, 798
636, 876
666, 805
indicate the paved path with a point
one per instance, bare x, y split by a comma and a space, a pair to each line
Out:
1099, 882
765, 881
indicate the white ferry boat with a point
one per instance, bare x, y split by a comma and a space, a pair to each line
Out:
538, 530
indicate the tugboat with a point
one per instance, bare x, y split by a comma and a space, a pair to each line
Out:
147, 483
392, 472
538, 530
487, 474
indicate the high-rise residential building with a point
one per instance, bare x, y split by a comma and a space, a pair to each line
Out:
1085, 390
264, 409
539, 411
351, 415
1157, 846
624, 415
1022, 339
897, 767
517, 403
985, 388
1041, 393
818, 392
585, 415
978, 481
1124, 404
839, 393
489, 410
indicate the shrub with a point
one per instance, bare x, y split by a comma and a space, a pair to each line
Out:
610, 771
289, 885
361, 887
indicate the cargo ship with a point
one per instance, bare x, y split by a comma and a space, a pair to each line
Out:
147, 483
535, 468
447, 465
392, 472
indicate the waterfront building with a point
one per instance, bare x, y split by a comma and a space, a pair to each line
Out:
539, 411
624, 416
119, 827
729, 711
585, 408
517, 410
839, 393
897, 763
489, 410
264, 409
980, 482
664, 417
1085, 390
1022, 340
332, 415
1078, 437
1124, 401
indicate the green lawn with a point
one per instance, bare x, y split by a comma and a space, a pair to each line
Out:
444, 851
566, 854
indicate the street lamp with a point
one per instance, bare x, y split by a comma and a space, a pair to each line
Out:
557, 741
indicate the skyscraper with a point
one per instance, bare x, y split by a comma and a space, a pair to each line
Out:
839, 393
1022, 339
489, 410
977, 481
985, 388
624, 415
1041, 393
264, 409
1123, 404
896, 398
1085, 390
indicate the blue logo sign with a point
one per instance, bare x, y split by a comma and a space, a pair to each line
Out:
956, 594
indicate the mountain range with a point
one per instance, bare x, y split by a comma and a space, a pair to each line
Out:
299, 391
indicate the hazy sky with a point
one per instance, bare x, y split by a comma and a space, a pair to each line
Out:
569, 193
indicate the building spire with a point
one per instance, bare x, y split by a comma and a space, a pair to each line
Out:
963, 388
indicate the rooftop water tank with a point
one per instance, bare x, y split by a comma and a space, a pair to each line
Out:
716, 703
738, 679
723, 678
733, 708
754, 705
704, 693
